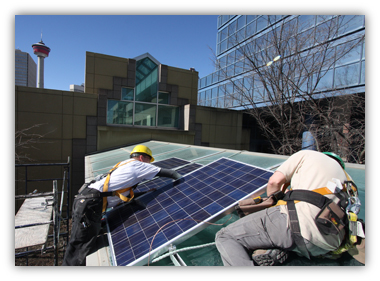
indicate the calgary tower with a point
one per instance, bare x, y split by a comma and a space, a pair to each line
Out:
41, 51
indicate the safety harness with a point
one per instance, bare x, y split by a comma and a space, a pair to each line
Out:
120, 191
332, 218
105, 193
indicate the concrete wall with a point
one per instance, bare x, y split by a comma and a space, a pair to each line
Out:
221, 128
62, 119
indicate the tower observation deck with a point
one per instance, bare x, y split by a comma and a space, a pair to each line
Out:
41, 51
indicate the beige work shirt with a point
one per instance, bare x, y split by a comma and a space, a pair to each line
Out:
311, 170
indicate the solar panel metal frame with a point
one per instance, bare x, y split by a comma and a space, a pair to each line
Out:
143, 260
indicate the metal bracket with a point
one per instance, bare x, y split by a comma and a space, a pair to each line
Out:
46, 203
175, 258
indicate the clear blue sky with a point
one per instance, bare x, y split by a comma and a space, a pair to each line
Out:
182, 41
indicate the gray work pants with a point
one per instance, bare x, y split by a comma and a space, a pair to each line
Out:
266, 229
262, 230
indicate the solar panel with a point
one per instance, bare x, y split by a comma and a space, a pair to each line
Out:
160, 182
206, 193
171, 163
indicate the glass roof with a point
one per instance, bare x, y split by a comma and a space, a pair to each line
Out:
102, 162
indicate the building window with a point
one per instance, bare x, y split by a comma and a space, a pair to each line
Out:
119, 112
144, 105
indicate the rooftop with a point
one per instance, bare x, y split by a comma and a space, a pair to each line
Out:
101, 162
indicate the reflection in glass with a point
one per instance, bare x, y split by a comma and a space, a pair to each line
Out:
163, 97
146, 80
119, 112
145, 114
168, 116
127, 94
347, 75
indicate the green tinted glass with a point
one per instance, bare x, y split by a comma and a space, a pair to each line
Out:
146, 80
127, 94
163, 98
168, 116
145, 114
119, 112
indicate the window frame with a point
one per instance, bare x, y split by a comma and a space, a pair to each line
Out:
156, 104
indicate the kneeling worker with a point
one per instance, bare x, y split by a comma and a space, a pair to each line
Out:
310, 219
107, 190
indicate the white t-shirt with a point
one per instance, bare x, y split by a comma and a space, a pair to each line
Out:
309, 170
126, 176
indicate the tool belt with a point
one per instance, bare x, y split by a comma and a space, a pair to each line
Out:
92, 195
331, 219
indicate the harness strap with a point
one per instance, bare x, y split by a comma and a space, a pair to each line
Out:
94, 195
117, 192
322, 191
307, 196
296, 231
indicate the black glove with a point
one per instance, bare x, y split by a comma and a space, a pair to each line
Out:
176, 175
168, 173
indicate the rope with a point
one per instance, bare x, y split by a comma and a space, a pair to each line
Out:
182, 250
151, 244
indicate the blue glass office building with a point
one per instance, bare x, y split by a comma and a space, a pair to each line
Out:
234, 31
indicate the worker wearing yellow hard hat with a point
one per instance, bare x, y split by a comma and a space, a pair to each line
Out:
107, 191
142, 150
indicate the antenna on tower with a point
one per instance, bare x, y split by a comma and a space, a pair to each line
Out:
41, 35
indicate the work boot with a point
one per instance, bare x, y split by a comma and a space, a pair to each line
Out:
269, 257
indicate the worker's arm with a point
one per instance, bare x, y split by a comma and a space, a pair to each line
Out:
276, 181
168, 173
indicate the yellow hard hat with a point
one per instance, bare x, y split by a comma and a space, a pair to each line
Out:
142, 149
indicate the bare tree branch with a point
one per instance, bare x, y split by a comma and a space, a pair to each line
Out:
296, 93
25, 140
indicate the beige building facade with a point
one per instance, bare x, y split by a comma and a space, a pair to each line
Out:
126, 101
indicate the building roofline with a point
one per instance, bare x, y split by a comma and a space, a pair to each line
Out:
147, 55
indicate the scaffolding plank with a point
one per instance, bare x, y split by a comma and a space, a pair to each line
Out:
101, 256
32, 211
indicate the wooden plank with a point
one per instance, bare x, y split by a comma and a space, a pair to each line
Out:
32, 211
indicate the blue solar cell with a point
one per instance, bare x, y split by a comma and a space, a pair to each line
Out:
172, 231
186, 223
180, 207
225, 201
213, 208
192, 208
170, 163
204, 201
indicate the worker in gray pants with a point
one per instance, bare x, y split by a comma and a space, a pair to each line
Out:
266, 229
308, 219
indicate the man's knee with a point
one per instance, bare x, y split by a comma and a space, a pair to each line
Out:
218, 235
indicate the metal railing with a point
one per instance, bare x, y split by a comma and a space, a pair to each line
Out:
57, 207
